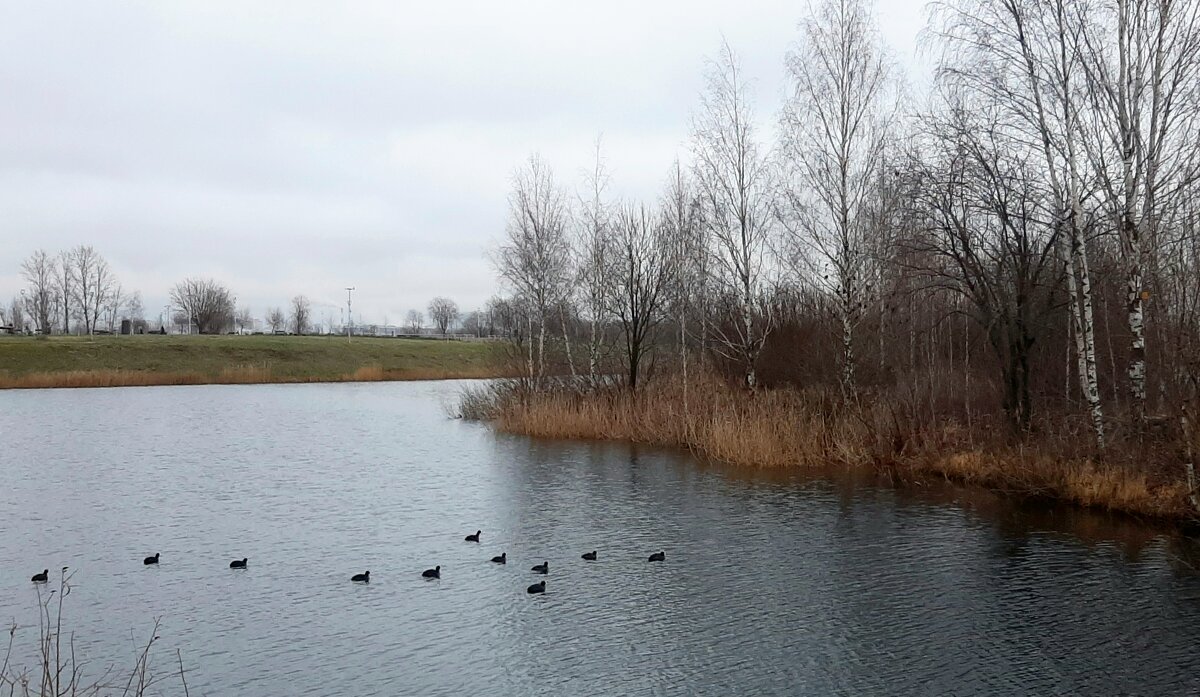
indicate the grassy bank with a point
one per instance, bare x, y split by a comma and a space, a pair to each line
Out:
114, 361
789, 428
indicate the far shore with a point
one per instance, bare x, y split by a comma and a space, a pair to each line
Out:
138, 361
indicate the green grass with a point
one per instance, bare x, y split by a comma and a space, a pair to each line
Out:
154, 359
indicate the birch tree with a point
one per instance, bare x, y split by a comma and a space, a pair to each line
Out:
114, 302
835, 129
733, 180
536, 256
1024, 60
689, 251
594, 252
1142, 65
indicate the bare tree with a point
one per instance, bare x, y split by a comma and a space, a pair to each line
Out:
593, 249
1142, 63
685, 235
182, 323
276, 319
444, 313
835, 129
1023, 59
414, 319
473, 324
134, 307
641, 279
64, 285
244, 319
301, 314
987, 236
92, 283
535, 258
114, 303
16, 315
40, 271
208, 304
733, 180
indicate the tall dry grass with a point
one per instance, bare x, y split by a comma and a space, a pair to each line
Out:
232, 375
792, 428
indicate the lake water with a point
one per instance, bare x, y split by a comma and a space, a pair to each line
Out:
771, 585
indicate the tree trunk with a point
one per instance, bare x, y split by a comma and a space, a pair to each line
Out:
1017, 400
683, 360
530, 340
542, 348
562, 316
634, 359
848, 388
1079, 287
593, 356
748, 342
1137, 344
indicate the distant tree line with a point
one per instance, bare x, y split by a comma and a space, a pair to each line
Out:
76, 292
72, 291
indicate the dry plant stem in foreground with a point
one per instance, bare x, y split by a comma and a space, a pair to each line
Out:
60, 673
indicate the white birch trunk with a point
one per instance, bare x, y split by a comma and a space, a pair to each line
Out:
562, 316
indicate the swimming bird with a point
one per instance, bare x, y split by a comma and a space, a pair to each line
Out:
151, 560
502, 559
589, 556
435, 572
42, 577
364, 577
658, 556
539, 587
238, 563
473, 538
543, 568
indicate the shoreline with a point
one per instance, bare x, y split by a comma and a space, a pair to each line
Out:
88, 379
792, 431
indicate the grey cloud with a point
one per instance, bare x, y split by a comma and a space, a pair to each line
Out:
298, 147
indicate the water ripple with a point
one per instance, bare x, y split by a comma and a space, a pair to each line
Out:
770, 587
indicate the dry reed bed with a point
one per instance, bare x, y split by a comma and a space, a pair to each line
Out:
787, 428
232, 375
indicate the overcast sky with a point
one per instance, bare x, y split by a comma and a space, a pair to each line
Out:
301, 147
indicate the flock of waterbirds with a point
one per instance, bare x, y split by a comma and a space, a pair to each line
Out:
435, 572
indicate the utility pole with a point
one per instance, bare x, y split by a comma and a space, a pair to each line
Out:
349, 315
